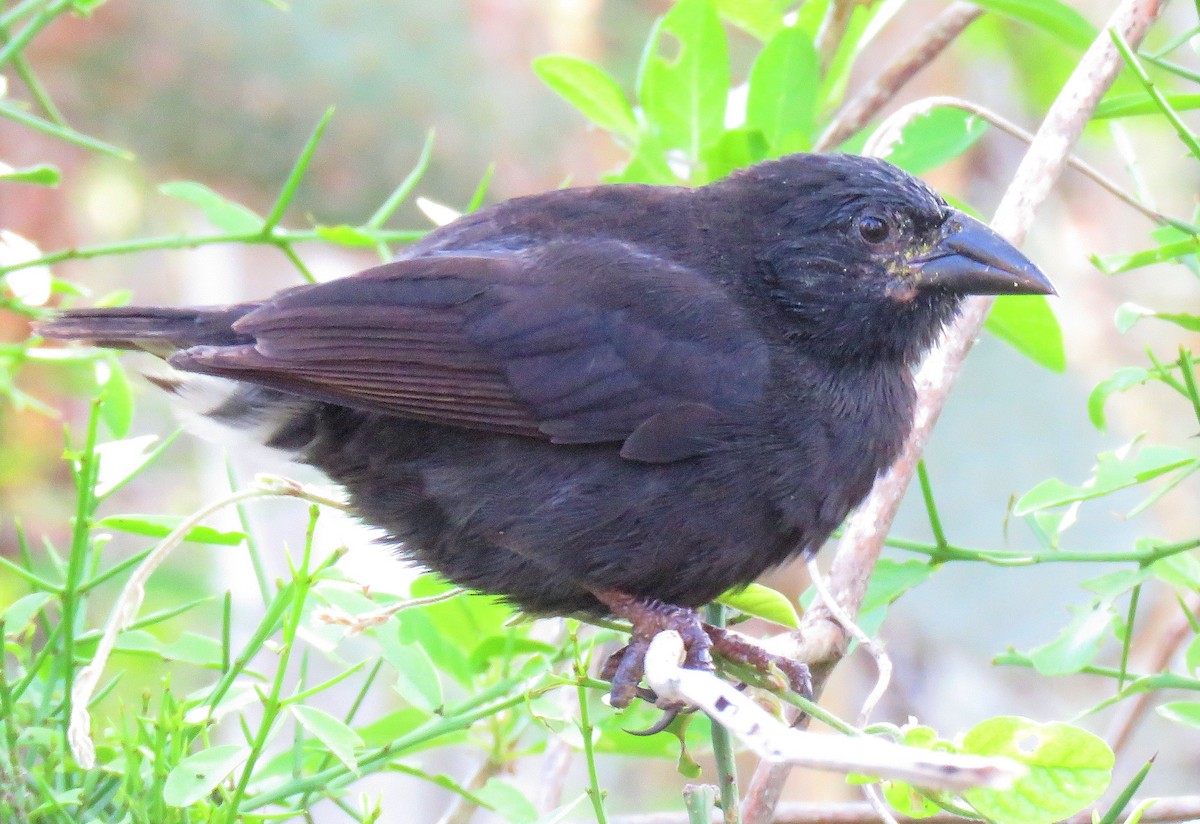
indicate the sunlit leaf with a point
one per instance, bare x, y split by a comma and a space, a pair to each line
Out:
761, 18
1069, 768
932, 139
1051, 16
42, 174
590, 89
782, 99
684, 97
762, 602
1029, 325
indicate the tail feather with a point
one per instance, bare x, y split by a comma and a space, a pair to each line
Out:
156, 329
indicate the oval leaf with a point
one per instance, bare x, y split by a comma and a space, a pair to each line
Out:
590, 89
196, 776
932, 139
333, 733
783, 91
1029, 325
1069, 768
684, 98
762, 602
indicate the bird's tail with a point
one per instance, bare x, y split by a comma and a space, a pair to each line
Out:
155, 329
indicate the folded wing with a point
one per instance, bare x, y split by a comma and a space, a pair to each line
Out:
586, 342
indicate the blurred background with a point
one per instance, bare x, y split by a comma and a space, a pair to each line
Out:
227, 91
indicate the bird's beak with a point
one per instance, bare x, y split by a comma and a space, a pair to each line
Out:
971, 259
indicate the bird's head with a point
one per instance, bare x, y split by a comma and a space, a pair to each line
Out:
867, 261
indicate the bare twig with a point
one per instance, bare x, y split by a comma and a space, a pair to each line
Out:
820, 640
882, 661
1161, 811
867, 103
772, 739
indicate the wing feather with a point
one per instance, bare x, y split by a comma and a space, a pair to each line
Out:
571, 342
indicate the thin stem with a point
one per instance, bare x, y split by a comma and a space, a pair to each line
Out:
935, 521
280, 237
294, 178
722, 741
22, 38
594, 791
273, 705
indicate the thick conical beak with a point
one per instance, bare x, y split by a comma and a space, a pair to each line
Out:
971, 259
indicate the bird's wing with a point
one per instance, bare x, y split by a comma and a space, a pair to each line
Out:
585, 342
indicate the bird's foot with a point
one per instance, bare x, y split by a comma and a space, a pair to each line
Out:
626, 667
735, 647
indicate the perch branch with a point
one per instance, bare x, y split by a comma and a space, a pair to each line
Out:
772, 739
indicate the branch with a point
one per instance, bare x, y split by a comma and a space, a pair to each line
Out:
867, 103
820, 640
1160, 811
772, 739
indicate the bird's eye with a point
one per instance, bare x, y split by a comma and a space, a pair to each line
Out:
873, 228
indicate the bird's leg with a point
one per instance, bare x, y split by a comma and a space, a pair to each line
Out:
741, 650
650, 618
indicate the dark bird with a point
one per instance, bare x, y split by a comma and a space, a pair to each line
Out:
621, 399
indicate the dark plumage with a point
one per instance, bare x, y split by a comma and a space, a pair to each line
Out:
654, 391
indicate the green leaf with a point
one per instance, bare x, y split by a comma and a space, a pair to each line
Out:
782, 99
1069, 769
193, 778
891, 579
908, 800
648, 164
506, 800
737, 149
1051, 16
330, 731
1077, 645
42, 174
1130, 105
1029, 325
1181, 712
933, 139
761, 18
417, 679
590, 89
18, 616
224, 214
1130, 313
344, 235
762, 602
117, 409
159, 526
1115, 264
1121, 380
1192, 656
684, 98
1118, 469
193, 648
397, 724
